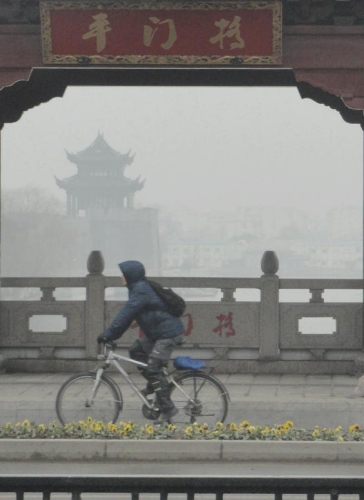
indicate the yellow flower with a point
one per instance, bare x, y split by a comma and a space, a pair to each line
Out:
245, 423
288, 425
219, 425
149, 429
250, 429
354, 427
128, 427
316, 432
112, 427
171, 427
8, 425
338, 429
26, 423
266, 430
96, 427
340, 438
42, 427
233, 427
188, 430
89, 420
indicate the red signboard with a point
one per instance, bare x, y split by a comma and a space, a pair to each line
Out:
235, 33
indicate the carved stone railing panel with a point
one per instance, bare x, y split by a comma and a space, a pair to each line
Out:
348, 333
266, 334
207, 324
16, 332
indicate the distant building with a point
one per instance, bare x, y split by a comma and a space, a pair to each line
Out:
346, 222
99, 187
209, 254
101, 198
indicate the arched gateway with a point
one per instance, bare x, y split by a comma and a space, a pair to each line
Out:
322, 47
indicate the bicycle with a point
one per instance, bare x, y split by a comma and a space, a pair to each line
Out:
199, 396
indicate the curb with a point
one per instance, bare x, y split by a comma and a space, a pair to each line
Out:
181, 451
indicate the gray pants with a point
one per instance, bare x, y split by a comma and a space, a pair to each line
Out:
156, 355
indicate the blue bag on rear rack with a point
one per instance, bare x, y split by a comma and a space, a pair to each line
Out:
187, 363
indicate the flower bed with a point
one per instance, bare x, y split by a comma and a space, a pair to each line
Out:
243, 431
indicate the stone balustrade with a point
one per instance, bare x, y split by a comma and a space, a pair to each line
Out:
264, 334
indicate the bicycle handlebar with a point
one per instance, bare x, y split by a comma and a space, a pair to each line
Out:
109, 345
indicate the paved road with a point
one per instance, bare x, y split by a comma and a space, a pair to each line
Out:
307, 400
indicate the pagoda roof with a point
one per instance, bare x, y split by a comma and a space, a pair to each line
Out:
74, 181
100, 150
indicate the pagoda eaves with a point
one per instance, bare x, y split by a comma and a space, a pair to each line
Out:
100, 150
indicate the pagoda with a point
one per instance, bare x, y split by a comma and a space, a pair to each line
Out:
101, 212
99, 187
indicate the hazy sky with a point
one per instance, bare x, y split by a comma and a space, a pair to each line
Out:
213, 148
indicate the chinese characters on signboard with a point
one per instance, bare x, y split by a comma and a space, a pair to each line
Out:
159, 33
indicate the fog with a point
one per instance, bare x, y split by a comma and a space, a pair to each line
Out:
228, 171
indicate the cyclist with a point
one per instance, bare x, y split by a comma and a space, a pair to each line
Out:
163, 331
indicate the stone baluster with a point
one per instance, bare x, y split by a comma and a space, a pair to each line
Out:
228, 294
47, 294
269, 307
95, 296
316, 294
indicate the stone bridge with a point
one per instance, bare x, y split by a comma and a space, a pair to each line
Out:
57, 330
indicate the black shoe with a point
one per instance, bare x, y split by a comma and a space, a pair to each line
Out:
166, 416
147, 391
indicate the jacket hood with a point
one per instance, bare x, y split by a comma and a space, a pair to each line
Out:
133, 270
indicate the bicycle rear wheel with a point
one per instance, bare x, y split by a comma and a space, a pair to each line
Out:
203, 399
74, 402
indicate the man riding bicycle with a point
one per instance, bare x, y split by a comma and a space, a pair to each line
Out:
163, 332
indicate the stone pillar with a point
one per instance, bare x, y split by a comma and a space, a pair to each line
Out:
95, 297
0, 207
269, 308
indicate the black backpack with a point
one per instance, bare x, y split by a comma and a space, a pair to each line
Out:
174, 302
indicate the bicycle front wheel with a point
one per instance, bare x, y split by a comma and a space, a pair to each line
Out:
199, 398
78, 399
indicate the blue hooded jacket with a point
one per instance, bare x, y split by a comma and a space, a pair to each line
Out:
143, 306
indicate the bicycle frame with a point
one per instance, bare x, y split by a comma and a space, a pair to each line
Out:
111, 358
